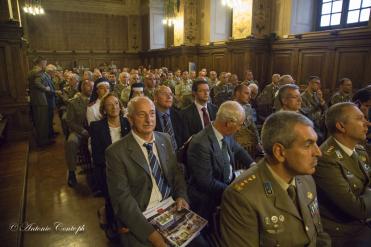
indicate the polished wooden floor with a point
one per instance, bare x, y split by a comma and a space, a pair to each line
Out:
56, 215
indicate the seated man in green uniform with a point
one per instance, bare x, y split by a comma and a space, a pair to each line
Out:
343, 178
275, 202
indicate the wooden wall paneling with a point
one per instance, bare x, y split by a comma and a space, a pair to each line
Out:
312, 62
281, 62
352, 63
4, 85
237, 62
203, 61
260, 68
219, 62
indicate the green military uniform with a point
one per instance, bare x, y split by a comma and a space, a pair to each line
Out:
171, 84
221, 93
117, 89
248, 135
312, 107
183, 93
257, 211
266, 99
339, 97
125, 95
344, 190
149, 92
77, 124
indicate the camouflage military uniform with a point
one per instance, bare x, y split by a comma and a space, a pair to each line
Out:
183, 93
248, 135
149, 92
340, 97
344, 193
125, 94
266, 99
256, 210
221, 93
117, 89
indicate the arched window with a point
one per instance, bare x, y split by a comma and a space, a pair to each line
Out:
343, 13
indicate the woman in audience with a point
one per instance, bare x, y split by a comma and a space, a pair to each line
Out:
103, 133
101, 88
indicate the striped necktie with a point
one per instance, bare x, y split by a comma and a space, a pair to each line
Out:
157, 172
169, 129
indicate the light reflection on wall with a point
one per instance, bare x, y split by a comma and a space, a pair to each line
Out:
179, 27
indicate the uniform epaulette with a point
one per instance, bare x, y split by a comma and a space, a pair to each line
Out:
240, 185
360, 147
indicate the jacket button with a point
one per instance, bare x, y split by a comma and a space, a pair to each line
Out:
306, 228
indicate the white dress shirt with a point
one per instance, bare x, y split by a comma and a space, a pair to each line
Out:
201, 113
156, 195
92, 113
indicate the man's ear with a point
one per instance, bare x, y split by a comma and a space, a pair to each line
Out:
279, 152
340, 127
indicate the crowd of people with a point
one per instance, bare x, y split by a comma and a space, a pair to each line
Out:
156, 133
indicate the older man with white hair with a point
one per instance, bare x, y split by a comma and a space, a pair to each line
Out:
47, 80
211, 157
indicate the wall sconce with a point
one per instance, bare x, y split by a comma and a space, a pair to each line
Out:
33, 7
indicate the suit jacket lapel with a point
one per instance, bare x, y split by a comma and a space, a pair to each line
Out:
281, 197
347, 161
106, 133
136, 153
305, 197
198, 121
162, 154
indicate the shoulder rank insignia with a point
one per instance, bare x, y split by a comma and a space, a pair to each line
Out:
240, 185
338, 154
362, 158
330, 149
268, 188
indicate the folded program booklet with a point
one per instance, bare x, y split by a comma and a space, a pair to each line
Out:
177, 227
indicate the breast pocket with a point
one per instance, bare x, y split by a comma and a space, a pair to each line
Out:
273, 236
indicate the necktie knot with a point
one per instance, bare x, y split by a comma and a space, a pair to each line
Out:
148, 146
204, 109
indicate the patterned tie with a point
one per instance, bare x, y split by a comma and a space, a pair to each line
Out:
169, 129
156, 172
227, 159
205, 116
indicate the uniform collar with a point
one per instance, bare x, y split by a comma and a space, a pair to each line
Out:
280, 181
347, 150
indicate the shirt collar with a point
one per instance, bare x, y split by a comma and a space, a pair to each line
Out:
140, 141
347, 150
199, 107
218, 135
163, 113
280, 181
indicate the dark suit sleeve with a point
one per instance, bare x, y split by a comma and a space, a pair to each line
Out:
238, 221
330, 180
241, 154
96, 144
199, 159
124, 205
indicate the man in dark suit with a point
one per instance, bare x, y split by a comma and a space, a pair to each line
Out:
47, 80
211, 156
133, 183
343, 178
168, 119
39, 104
199, 114
274, 203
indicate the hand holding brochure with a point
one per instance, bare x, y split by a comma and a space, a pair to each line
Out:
177, 227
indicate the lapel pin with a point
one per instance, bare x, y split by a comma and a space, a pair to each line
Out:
309, 195
274, 219
267, 221
281, 218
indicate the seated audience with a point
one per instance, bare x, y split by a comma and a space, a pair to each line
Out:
100, 89
200, 113
248, 135
142, 171
343, 178
78, 128
168, 119
211, 157
345, 92
289, 97
103, 133
274, 203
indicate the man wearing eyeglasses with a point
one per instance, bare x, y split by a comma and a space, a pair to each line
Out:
168, 119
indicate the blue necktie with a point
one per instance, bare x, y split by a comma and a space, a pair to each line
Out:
156, 172
169, 129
